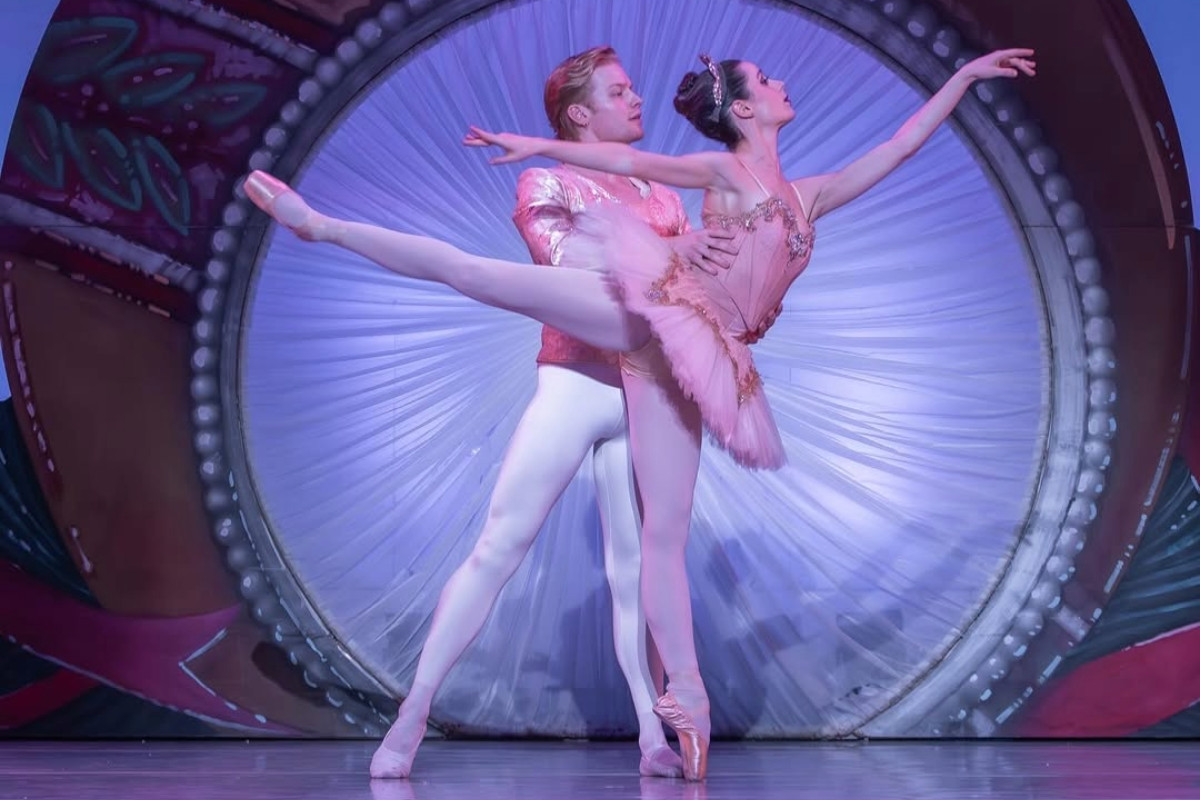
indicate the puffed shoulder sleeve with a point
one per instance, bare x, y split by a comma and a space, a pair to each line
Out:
674, 216
542, 214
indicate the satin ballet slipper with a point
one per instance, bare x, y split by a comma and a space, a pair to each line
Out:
282, 203
693, 746
388, 763
661, 763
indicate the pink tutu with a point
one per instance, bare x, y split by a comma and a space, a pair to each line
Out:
712, 366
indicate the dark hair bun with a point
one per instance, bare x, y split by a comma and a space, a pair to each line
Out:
685, 87
695, 101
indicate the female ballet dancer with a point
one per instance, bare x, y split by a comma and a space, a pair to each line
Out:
683, 334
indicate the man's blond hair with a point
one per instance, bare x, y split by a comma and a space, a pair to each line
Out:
571, 83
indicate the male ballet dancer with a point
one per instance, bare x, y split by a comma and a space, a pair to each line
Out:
578, 408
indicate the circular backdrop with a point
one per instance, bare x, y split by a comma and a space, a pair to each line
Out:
933, 374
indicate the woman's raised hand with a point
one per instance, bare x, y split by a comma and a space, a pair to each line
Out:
1001, 64
515, 147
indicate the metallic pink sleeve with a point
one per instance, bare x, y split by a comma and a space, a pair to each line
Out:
543, 216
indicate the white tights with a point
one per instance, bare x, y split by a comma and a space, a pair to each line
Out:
570, 414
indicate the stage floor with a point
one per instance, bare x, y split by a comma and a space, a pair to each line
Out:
1130, 770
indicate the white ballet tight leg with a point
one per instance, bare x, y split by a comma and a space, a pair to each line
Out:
569, 413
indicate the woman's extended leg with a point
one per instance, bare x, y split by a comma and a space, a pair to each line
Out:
620, 520
575, 301
664, 428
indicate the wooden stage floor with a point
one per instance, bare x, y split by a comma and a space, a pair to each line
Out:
271, 770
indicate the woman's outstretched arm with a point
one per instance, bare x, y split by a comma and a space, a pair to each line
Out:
827, 192
707, 170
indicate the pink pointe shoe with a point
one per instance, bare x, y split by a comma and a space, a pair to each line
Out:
692, 744
282, 203
661, 763
388, 763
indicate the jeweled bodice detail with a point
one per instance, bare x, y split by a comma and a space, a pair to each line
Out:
776, 248
800, 243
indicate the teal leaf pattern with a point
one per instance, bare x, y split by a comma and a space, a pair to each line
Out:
104, 163
78, 48
116, 113
165, 182
151, 80
222, 104
36, 145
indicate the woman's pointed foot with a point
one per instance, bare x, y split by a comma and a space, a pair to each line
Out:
394, 757
387, 763
692, 728
286, 207
662, 762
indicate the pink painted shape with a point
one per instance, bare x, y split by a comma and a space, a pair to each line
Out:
140, 655
1121, 693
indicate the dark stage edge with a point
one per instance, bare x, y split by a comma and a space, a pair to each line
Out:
1129, 770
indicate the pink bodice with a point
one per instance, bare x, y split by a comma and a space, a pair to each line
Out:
547, 202
777, 248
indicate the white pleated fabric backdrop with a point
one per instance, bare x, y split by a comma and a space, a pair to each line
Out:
908, 374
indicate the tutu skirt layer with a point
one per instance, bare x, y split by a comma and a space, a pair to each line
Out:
712, 366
